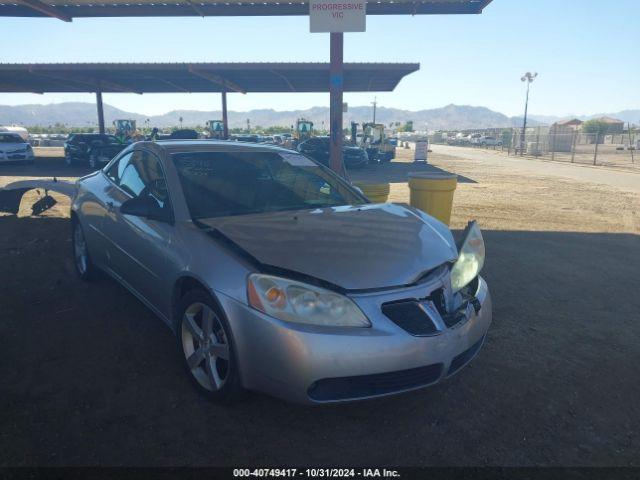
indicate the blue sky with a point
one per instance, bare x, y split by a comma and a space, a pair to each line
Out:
586, 53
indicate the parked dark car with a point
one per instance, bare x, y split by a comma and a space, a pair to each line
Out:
94, 149
246, 138
318, 149
182, 134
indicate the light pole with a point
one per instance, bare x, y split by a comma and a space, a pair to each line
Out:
527, 77
375, 104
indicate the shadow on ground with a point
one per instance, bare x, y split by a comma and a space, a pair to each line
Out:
90, 377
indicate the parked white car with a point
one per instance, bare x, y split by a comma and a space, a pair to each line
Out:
487, 141
14, 148
23, 132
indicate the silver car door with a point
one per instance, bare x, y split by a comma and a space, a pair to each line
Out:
112, 197
146, 259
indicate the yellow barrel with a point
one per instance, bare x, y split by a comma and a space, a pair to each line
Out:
433, 193
376, 192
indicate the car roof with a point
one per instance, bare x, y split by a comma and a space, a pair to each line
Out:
90, 135
172, 146
318, 137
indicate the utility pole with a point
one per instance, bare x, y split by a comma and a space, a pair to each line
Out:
527, 77
375, 104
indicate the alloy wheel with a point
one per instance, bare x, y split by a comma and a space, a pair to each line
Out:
205, 346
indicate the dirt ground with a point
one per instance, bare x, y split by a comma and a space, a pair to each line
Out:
504, 196
88, 376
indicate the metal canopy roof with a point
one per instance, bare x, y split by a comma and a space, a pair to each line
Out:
197, 77
69, 9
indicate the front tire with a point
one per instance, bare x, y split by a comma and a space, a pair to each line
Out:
81, 258
206, 347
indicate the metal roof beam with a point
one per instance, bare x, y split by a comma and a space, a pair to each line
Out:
10, 87
196, 8
217, 79
284, 77
95, 83
172, 84
48, 10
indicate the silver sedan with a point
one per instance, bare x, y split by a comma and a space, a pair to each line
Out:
278, 276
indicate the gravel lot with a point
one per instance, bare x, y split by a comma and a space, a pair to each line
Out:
90, 377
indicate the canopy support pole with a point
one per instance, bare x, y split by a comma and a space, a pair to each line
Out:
225, 121
100, 112
336, 87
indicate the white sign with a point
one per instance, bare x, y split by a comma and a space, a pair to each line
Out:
337, 15
420, 154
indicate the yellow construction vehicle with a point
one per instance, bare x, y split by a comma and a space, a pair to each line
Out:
125, 130
375, 142
304, 130
214, 129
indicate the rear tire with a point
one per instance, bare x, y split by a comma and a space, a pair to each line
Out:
206, 348
81, 258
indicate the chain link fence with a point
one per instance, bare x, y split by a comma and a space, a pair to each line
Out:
559, 144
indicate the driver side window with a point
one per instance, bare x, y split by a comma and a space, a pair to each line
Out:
113, 170
130, 174
141, 175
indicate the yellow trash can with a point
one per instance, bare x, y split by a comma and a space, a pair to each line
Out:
433, 193
376, 192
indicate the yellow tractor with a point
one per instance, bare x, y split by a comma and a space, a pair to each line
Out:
375, 142
125, 130
304, 130
214, 129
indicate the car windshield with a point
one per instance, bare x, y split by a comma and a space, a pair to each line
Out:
217, 184
10, 138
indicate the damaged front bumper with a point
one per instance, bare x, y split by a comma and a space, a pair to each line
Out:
310, 364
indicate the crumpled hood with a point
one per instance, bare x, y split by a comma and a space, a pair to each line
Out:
353, 247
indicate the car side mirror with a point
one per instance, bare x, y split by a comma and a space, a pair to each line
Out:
145, 207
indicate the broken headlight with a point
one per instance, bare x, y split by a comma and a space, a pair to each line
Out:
470, 258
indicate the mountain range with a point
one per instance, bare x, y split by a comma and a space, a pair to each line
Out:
450, 117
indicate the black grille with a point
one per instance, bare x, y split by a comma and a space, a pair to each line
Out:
410, 316
465, 357
344, 388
